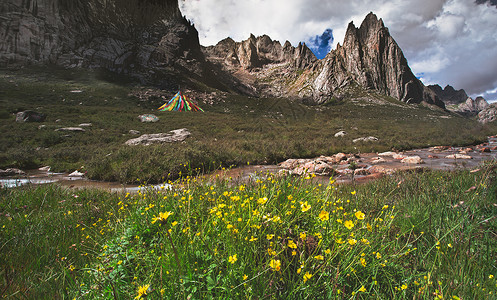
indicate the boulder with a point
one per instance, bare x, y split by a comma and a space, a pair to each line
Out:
172, 136
323, 169
389, 153
362, 171
365, 139
72, 129
30, 116
337, 158
382, 170
377, 160
291, 163
458, 156
11, 172
76, 174
148, 118
415, 160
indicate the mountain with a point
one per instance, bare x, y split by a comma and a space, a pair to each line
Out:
145, 39
458, 101
449, 95
369, 59
151, 41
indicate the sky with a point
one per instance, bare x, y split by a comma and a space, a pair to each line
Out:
446, 42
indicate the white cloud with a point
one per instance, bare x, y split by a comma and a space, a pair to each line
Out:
450, 41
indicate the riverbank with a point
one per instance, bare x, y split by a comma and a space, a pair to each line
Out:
344, 168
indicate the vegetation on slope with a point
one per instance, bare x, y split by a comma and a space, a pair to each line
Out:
410, 236
233, 131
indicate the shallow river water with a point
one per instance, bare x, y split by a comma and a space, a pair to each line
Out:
434, 158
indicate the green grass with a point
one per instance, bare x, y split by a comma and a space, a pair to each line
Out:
233, 131
409, 236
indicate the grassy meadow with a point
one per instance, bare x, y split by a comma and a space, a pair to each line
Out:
428, 235
234, 130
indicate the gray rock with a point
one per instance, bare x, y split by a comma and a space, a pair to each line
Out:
340, 134
11, 172
76, 174
377, 160
134, 132
415, 160
458, 156
172, 136
30, 116
148, 118
85, 125
489, 114
365, 139
71, 129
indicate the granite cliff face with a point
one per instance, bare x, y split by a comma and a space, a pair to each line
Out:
369, 59
125, 36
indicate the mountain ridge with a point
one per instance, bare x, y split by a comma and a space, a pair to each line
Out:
151, 41
369, 57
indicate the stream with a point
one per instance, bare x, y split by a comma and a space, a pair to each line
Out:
434, 158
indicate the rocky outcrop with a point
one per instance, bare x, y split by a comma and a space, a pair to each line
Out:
449, 95
126, 36
458, 101
172, 136
30, 116
471, 107
489, 114
371, 58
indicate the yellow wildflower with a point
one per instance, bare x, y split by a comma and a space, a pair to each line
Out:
253, 239
353, 192
162, 217
142, 290
363, 262
362, 289
305, 206
232, 259
307, 276
291, 244
262, 201
319, 257
359, 215
349, 224
245, 277
352, 241
303, 236
275, 264
324, 215
269, 236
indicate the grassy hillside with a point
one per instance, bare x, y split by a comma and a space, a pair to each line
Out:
410, 236
234, 130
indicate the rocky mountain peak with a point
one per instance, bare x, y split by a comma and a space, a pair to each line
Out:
375, 61
449, 95
257, 52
